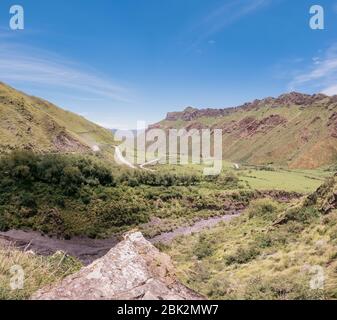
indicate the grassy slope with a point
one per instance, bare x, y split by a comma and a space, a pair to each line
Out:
39, 271
270, 252
304, 141
32, 123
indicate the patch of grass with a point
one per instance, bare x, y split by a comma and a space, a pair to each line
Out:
38, 271
264, 208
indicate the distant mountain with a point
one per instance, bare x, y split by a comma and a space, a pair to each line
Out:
31, 123
295, 129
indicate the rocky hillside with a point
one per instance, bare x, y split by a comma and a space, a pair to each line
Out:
295, 129
34, 124
133, 270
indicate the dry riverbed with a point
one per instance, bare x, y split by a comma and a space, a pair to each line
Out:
87, 250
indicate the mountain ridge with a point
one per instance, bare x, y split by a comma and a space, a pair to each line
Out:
292, 97
294, 130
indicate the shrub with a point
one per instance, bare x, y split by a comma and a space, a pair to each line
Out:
27, 199
228, 180
264, 241
3, 222
158, 179
126, 211
242, 255
263, 208
203, 248
76, 170
303, 215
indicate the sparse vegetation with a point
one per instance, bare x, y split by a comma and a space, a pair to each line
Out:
38, 271
267, 253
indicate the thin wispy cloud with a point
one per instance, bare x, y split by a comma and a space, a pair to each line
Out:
225, 15
26, 65
321, 75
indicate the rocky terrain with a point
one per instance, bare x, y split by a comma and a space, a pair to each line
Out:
133, 270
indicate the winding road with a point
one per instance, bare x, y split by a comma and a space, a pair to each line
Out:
120, 159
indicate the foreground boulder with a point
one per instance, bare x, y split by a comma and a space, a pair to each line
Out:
132, 270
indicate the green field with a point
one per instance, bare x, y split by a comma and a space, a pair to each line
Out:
303, 181
265, 178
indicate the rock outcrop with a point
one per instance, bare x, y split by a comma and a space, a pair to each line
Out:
132, 270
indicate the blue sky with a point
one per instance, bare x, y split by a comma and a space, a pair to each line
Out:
119, 61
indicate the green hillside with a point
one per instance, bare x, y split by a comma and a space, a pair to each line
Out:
272, 251
294, 130
34, 124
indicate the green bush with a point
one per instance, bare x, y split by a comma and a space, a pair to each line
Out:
4, 226
303, 215
242, 255
137, 178
25, 167
263, 208
203, 248
228, 180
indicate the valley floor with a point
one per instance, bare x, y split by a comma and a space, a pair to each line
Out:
267, 177
223, 233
